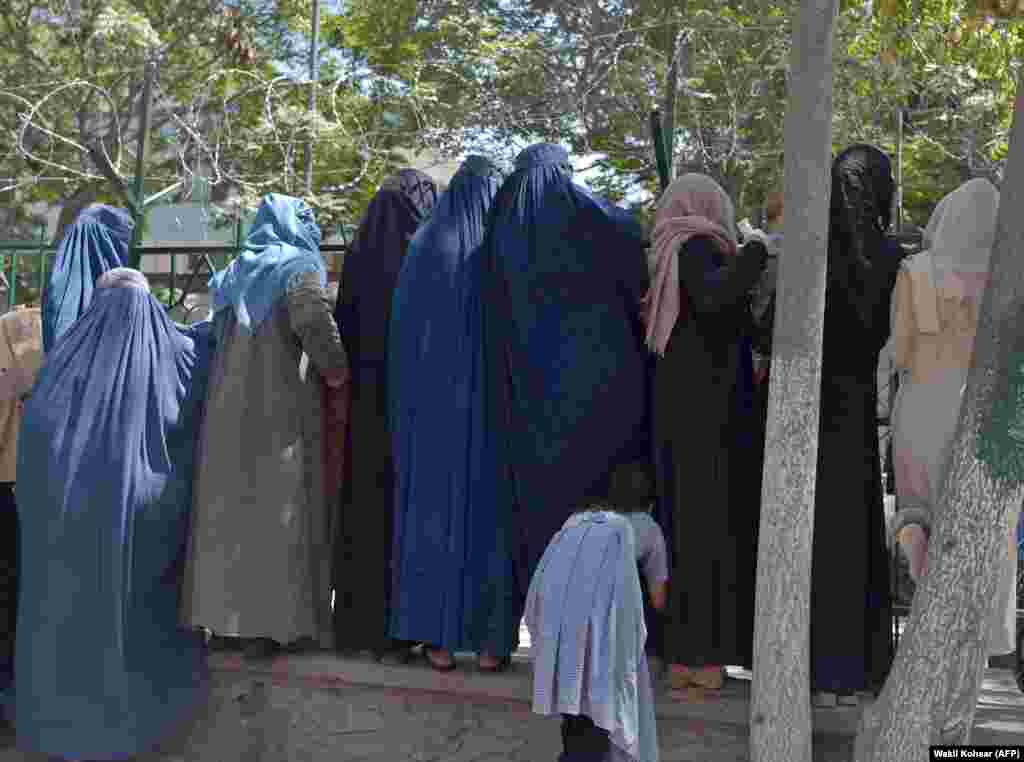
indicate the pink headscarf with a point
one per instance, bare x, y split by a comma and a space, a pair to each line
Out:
692, 205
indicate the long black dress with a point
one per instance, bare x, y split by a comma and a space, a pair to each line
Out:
851, 647
704, 420
363, 541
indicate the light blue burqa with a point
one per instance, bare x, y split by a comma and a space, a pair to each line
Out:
585, 614
97, 241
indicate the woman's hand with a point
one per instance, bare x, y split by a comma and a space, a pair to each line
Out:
914, 542
658, 594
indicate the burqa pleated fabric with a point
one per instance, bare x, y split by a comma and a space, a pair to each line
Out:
584, 610
97, 241
105, 460
259, 554
851, 644
565, 276
363, 544
453, 584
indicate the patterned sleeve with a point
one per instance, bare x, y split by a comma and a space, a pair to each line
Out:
312, 322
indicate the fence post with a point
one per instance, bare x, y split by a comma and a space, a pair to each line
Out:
14, 280
10, 282
238, 236
42, 261
174, 272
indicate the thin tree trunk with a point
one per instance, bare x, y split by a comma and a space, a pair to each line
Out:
72, 206
932, 690
780, 710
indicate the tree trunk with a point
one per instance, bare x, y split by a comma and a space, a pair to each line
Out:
932, 690
780, 710
72, 206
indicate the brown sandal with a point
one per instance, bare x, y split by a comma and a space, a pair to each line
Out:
428, 654
500, 666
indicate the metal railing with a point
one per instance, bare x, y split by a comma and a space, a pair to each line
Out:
35, 259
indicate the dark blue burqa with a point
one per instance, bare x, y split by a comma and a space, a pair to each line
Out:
453, 563
565, 277
105, 454
97, 241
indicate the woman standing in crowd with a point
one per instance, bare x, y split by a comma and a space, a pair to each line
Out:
851, 644
453, 568
935, 311
20, 355
105, 462
364, 536
259, 557
699, 324
565, 275
97, 241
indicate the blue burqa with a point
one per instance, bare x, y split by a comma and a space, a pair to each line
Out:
565, 277
105, 454
97, 241
453, 563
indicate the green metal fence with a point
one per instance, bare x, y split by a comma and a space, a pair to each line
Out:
11, 255
18, 258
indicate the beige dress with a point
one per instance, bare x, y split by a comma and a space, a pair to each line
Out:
259, 555
933, 336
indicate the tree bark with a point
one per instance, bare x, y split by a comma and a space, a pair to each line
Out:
780, 710
72, 206
932, 690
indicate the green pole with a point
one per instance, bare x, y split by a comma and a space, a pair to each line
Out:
14, 280
659, 150
174, 269
238, 238
42, 260
10, 281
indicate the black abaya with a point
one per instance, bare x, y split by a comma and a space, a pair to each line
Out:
703, 423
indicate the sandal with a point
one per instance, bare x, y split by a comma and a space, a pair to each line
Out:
428, 655
710, 678
501, 666
680, 677
393, 653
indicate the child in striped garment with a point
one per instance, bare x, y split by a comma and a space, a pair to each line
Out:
585, 614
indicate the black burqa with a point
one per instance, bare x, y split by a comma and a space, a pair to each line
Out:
362, 549
851, 646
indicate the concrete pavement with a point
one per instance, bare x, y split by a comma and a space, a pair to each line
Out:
318, 707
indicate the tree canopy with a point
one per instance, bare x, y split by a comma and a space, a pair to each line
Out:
402, 76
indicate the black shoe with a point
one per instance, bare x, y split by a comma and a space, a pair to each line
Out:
261, 649
223, 644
